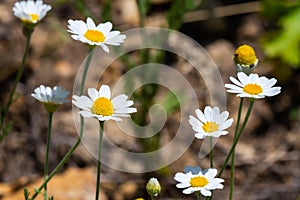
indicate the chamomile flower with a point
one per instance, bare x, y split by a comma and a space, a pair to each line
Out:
203, 181
100, 35
51, 98
253, 86
100, 106
31, 12
210, 122
245, 59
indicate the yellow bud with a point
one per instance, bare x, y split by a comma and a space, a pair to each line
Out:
245, 59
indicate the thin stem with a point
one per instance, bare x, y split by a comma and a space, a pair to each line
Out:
237, 137
101, 123
62, 162
233, 153
198, 194
19, 74
70, 152
47, 153
21, 69
152, 198
211, 152
85, 70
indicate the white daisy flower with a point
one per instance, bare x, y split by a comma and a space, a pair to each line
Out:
203, 181
210, 123
99, 35
99, 105
253, 86
31, 11
51, 98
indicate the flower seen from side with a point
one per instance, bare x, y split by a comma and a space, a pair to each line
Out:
51, 98
100, 105
210, 122
203, 181
31, 12
245, 59
253, 86
95, 35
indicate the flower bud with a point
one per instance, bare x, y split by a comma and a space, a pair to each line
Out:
153, 187
245, 59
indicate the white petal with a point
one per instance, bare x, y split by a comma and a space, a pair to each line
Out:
235, 81
208, 113
77, 27
200, 135
116, 40
181, 177
215, 114
211, 173
82, 102
205, 192
189, 190
272, 91
194, 122
93, 93
112, 34
104, 47
115, 118
85, 113
201, 115
90, 24
105, 27
120, 101
243, 78
222, 117
125, 110
104, 91
226, 124
233, 87
183, 185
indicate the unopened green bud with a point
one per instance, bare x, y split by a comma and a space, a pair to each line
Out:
153, 187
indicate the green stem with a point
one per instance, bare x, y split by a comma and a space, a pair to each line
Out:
152, 198
101, 123
85, 70
211, 152
237, 137
233, 153
198, 194
19, 74
70, 152
47, 153
62, 162
21, 69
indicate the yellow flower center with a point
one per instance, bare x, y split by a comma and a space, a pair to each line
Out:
198, 181
34, 17
102, 106
253, 89
210, 127
94, 36
245, 55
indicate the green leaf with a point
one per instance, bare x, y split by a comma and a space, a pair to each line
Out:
5, 130
178, 8
171, 102
26, 194
286, 44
